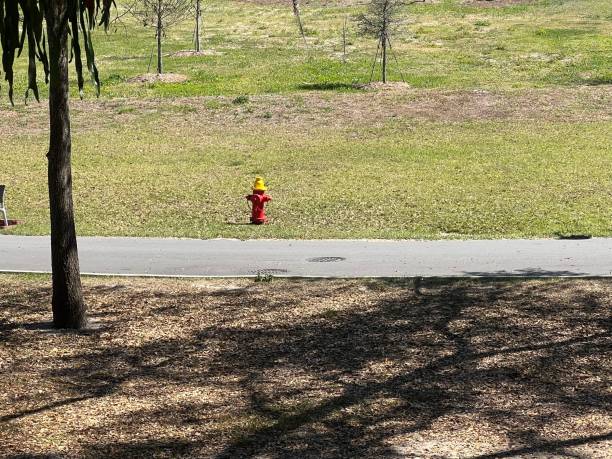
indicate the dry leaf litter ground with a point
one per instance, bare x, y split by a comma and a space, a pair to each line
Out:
235, 368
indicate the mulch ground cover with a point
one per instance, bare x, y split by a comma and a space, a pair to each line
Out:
237, 368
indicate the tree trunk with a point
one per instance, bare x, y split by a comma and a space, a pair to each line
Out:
197, 27
384, 58
67, 302
159, 38
384, 38
344, 40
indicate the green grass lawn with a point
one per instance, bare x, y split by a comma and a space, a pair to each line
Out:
505, 131
256, 48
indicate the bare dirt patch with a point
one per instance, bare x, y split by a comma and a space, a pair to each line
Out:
206, 52
305, 3
497, 3
321, 109
269, 2
234, 368
314, 109
380, 86
11, 224
159, 78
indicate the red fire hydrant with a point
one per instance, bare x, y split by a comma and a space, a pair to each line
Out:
258, 201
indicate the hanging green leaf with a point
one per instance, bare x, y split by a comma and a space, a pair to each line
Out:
81, 16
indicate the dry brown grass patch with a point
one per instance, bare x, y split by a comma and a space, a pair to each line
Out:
497, 3
315, 109
380, 86
192, 53
159, 78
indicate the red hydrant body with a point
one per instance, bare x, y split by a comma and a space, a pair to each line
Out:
258, 201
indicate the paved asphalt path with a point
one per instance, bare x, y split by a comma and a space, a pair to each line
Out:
318, 258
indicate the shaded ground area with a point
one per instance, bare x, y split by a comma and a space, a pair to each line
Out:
277, 369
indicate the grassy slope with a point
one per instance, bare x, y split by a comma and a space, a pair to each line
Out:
446, 45
400, 176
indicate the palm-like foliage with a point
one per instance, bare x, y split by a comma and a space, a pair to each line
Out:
80, 16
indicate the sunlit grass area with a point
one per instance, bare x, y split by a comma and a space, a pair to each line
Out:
183, 168
503, 131
254, 47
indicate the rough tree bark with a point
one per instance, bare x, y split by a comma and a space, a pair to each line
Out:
384, 58
67, 303
159, 37
197, 27
383, 40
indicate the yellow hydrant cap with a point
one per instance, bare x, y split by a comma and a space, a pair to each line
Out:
259, 184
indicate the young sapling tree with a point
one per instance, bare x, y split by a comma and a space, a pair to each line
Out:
381, 20
198, 23
298, 17
161, 15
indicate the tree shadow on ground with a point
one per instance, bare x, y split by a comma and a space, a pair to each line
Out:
526, 272
597, 81
328, 86
284, 370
